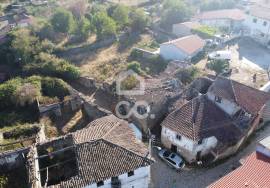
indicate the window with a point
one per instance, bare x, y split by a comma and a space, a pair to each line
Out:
100, 183
178, 137
218, 99
131, 173
200, 141
114, 179
254, 20
265, 23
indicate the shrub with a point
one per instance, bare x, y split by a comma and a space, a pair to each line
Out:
54, 87
205, 31
187, 75
129, 83
135, 66
50, 65
21, 132
7, 91
219, 66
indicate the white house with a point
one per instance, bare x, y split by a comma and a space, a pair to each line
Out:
182, 48
214, 125
257, 22
226, 18
185, 28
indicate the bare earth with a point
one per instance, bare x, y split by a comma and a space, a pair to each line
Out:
249, 58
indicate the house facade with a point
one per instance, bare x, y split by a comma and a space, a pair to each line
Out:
257, 22
230, 19
214, 125
182, 48
105, 154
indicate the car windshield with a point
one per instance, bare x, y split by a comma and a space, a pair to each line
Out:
171, 161
166, 154
173, 155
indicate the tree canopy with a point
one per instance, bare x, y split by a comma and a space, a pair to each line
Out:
219, 66
105, 26
175, 11
63, 21
121, 15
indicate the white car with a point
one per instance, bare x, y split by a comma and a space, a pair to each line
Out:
173, 159
222, 55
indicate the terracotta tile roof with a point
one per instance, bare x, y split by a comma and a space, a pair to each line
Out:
114, 130
189, 44
106, 148
233, 14
201, 118
254, 173
100, 160
260, 11
248, 98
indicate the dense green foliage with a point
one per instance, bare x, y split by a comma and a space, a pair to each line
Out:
187, 75
139, 20
105, 25
20, 132
174, 11
219, 66
22, 92
34, 56
121, 15
63, 21
135, 66
205, 31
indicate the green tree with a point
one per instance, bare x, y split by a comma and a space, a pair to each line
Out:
175, 11
63, 21
139, 20
187, 75
219, 66
135, 66
120, 15
84, 28
105, 26
23, 45
54, 87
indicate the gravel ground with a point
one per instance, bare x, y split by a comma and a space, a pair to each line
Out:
162, 176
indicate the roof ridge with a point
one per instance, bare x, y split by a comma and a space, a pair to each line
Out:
146, 159
193, 124
234, 95
117, 124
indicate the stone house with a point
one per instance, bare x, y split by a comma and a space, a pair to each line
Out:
214, 125
231, 19
104, 154
257, 22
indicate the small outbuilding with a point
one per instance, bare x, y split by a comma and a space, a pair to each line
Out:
182, 48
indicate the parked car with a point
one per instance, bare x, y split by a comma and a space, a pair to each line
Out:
222, 55
173, 159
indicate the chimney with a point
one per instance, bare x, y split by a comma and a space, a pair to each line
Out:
263, 147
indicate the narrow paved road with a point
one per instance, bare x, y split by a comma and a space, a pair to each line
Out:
163, 176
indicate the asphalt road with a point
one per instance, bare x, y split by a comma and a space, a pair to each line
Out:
163, 176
